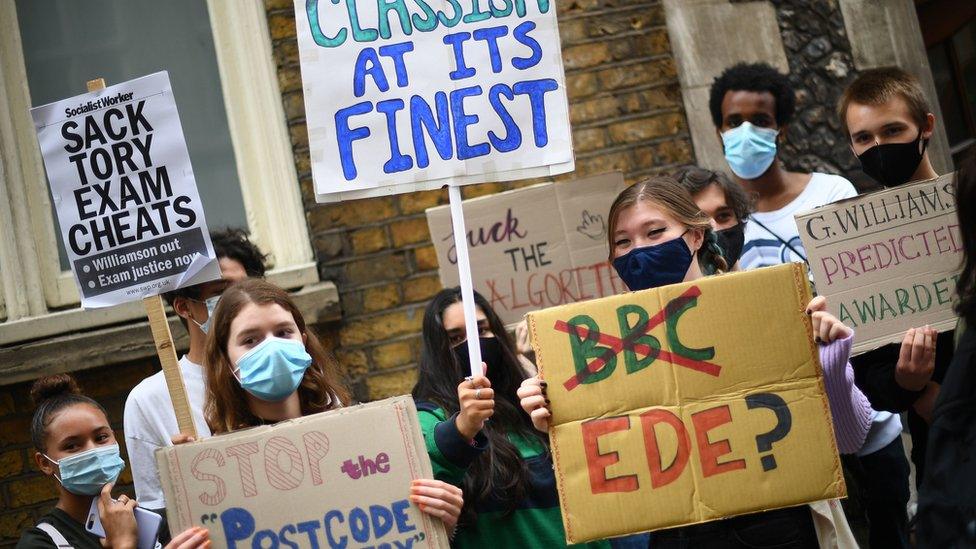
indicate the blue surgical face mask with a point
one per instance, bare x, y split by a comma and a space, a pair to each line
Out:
654, 266
85, 473
749, 150
211, 304
273, 369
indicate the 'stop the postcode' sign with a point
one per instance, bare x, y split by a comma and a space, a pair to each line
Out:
407, 96
131, 219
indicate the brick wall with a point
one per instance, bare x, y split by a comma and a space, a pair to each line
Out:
626, 113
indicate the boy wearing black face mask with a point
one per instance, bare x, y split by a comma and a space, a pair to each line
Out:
889, 124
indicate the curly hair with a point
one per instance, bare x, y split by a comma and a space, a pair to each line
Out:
755, 77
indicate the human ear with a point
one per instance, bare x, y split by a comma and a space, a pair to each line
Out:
43, 464
929, 128
697, 237
181, 306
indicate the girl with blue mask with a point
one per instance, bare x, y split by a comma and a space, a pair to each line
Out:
265, 365
658, 236
75, 445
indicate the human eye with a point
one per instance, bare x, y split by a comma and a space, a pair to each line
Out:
622, 243
653, 233
284, 332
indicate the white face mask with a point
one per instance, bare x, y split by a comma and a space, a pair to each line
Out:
211, 304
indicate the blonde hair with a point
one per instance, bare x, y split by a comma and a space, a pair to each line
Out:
672, 197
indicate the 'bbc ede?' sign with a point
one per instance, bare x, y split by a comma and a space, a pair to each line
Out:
131, 219
407, 96
684, 399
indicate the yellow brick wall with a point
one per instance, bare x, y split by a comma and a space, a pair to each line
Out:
626, 113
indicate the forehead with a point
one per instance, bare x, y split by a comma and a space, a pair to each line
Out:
862, 117
231, 269
744, 102
711, 197
253, 316
453, 318
640, 213
74, 420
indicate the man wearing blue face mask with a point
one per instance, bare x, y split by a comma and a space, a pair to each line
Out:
149, 419
752, 106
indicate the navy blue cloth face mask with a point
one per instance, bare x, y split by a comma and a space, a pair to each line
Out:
655, 266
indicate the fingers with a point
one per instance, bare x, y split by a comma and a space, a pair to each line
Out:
540, 419
818, 303
816, 319
182, 438
475, 382
918, 346
905, 354
839, 331
437, 489
105, 497
534, 402
191, 538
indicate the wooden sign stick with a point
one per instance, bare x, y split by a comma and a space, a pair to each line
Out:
165, 348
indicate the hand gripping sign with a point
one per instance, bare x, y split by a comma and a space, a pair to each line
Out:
410, 96
311, 482
686, 404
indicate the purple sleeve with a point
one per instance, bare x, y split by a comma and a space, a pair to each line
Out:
849, 407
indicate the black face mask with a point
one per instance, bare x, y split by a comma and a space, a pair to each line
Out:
893, 164
731, 240
491, 355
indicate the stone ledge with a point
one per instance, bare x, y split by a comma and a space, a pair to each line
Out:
319, 303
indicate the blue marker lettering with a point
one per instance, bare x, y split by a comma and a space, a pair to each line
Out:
457, 42
398, 162
513, 138
439, 130
237, 524
521, 34
461, 122
536, 90
490, 36
368, 64
347, 136
396, 52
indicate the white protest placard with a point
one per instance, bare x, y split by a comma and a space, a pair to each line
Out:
336, 479
535, 247
887, 261
422, 95
131, 219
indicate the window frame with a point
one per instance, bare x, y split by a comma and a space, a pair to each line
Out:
264, 161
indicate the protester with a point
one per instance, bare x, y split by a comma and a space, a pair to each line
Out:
149, 420
265, 365
889, 123
946, 510
724, 202
658, 236
503, 465
752, 106
75, 445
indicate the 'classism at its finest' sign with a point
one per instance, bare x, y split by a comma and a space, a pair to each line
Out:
131, 218
686, 403
406, 96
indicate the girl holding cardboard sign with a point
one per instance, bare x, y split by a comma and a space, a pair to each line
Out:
264, 365
658, 236
75, 445
503, 464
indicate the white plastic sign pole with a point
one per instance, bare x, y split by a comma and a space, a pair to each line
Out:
464, 275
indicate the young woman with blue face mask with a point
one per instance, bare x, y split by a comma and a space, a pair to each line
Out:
75, 445
658, 236
265, 365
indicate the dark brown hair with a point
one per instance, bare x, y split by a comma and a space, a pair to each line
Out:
674, 199
227, 408
878, 86
51, 395
697, 179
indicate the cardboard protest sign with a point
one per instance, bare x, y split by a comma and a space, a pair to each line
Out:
535, 247
131, 219
669, 405
887, 261
327, 480
403, 97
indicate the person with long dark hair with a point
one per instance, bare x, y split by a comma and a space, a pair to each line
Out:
503, 465
946, 509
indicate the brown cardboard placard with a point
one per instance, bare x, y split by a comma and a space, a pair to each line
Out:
310, 482
887, 261
669, 405
535, 247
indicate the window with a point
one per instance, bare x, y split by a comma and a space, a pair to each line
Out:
950, 36
220, 62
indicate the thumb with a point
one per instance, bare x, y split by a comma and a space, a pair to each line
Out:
105, 497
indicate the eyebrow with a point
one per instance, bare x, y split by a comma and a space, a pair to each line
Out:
282, 324
482, 322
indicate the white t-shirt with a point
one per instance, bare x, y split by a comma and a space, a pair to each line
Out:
149, 422
763, 249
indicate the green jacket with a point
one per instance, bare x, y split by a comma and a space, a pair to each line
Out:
535, 523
